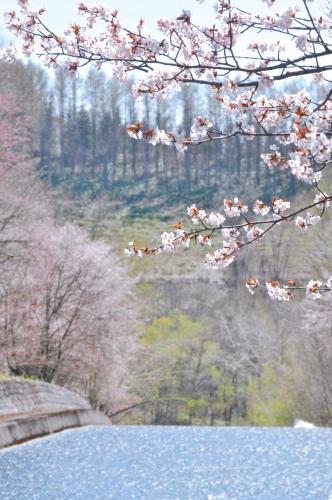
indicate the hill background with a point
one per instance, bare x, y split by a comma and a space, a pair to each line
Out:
204, 350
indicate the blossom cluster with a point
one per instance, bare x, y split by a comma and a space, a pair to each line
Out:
276, 291
306, 221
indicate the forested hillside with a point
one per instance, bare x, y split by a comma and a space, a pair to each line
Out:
165, 338
81, 143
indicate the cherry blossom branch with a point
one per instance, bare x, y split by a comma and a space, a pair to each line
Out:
231, 232
213, 57
232, 244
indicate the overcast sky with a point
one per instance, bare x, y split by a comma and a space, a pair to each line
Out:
62, 12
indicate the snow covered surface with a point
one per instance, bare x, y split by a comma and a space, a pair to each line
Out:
302, 424
171, 463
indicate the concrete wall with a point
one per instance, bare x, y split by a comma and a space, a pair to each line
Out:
14, 432
33, 409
